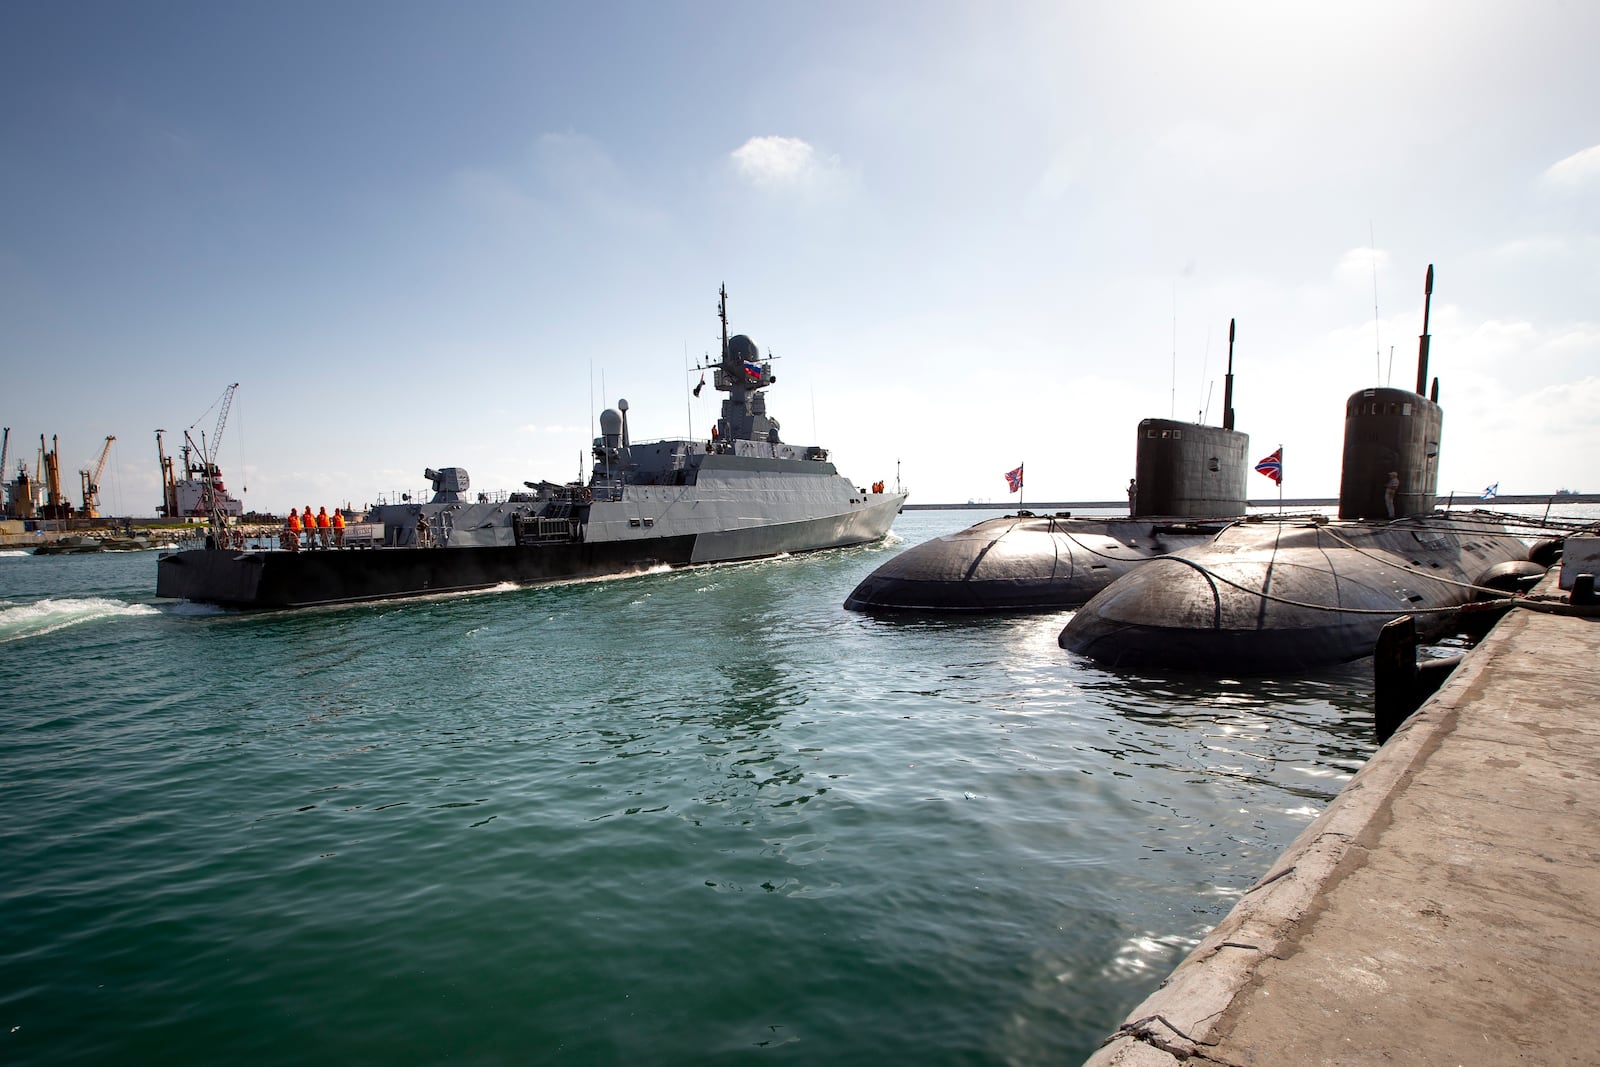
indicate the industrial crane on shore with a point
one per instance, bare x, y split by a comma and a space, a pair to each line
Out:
57, 505
210, 475
169, 481
91, 482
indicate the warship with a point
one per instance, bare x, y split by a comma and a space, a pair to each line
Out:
743, 494
1189, 480
1269, 595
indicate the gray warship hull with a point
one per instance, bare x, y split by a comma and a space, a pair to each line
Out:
520, 543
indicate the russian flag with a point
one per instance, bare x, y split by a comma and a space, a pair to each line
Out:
752, 371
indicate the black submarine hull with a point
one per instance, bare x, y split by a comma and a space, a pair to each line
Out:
275, 579
1267, 597
1020, 563
1190, 484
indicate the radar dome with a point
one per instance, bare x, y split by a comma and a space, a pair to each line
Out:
741, 347
610, 422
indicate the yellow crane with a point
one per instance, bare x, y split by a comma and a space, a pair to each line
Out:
57, 506
91, 482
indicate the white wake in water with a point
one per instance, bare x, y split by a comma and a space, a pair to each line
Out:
19, 621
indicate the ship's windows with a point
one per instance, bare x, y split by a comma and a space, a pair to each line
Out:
633, 522
649, 522
1394, 409
1177, 435
1405, 409
1214, 465
1165, 434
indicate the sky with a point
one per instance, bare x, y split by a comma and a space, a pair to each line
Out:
972, 235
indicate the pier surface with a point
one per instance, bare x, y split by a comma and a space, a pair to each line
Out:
1444, 909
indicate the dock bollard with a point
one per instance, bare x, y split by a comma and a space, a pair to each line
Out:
1401, 682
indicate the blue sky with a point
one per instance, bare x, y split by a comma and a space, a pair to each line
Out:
973, 234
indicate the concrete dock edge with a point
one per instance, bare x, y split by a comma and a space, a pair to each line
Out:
1259, 988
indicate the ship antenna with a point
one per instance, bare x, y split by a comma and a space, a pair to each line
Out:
1377, 337
1227, 383
1422, 342
722, 313
1174, 412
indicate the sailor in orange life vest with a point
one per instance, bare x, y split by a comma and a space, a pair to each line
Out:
308, 522
338, 527
324, 526
291, 531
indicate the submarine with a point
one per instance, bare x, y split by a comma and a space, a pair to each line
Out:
1270, 595
1189, 482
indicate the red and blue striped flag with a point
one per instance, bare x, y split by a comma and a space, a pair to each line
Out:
1272, 466
1014, 479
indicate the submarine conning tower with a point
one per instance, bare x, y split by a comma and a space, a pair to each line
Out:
1393, 434
1187, 470
1190, 470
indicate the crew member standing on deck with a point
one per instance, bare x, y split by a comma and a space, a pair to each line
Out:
309, 522
324, 526
422, 531
291, 531
1390, 488
338, 527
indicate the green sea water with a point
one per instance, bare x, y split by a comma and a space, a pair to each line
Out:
703, 816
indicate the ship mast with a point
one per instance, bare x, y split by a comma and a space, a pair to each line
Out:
722, 313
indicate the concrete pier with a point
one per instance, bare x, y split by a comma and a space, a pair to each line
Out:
1444, 909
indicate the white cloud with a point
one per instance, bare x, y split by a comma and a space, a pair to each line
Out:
780, 161
1579, 169
1360, 264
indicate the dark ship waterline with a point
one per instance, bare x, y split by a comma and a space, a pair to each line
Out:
1270, 595
1189, 482
744, 494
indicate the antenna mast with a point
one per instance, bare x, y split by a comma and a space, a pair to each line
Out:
1377, 340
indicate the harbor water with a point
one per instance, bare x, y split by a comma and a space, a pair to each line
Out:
697, 816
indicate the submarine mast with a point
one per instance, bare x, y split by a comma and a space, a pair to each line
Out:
1422, 342
1227, 383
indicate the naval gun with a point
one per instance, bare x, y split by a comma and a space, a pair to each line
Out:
448, 484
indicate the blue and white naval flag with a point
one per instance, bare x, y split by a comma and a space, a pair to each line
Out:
1492, 492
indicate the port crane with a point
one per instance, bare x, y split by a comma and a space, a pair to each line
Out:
169, 481
208, 451
91, 482
57, 505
